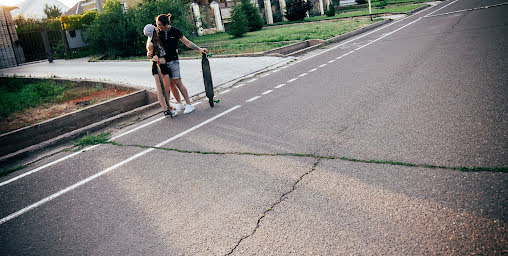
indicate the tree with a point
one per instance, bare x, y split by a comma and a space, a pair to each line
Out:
331, 10
254, 20
238, 25
111, 33
297, 9
52, 11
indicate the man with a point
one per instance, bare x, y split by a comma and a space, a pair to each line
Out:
169, 36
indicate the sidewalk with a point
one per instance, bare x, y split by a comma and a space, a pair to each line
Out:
137, 74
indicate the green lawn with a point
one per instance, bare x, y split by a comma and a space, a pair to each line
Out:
276, 36
365, 12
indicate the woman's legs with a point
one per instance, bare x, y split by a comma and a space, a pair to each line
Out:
160, 97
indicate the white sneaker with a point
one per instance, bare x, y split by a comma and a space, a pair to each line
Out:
179, 108
188, 109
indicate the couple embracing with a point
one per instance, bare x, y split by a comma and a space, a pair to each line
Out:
162, 47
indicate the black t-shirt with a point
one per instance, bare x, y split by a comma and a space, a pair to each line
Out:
169, 40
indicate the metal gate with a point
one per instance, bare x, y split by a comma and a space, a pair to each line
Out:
29, 40
41, 40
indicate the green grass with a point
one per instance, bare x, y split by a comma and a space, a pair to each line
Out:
17, 95
365, 12
88, 140
273, 37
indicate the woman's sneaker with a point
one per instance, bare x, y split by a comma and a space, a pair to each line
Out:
188, 109
179, 108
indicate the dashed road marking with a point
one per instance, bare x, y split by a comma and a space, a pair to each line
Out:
224, 92
304, 74
253, 99
267, 92
279, 86
332, 61
312, 70
292, 80
238, 86
322, 65
252, 80
265, 75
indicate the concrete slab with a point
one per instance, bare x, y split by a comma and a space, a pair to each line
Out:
368, 209
138, 73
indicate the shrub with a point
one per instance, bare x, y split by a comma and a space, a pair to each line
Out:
78, 21
331, 11
111, 33
238, 25
297, 9
361, 1
254, 20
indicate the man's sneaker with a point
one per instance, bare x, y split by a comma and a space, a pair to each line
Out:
169, 113
179, 108
188, 109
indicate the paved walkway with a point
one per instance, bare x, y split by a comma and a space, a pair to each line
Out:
138, 73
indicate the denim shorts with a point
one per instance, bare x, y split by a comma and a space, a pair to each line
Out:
174, 69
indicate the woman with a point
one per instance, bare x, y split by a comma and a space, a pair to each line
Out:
154, 49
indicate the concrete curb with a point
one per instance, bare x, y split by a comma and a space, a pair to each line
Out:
67, 137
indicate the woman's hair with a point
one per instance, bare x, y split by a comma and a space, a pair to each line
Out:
155, 42
164, 19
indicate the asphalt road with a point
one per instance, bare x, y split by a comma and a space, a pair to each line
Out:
328, 156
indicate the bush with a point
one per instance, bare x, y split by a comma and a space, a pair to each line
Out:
331, 11
78, 21
254, 20
297, 9
111, 33
238, 25
361, 1
382, 4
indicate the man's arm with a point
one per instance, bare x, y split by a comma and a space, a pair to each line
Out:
192, 45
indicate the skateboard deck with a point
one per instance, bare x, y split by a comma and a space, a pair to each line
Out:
207, 78
159, 74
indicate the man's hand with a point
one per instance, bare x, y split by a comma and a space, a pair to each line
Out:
155, 58
203, 50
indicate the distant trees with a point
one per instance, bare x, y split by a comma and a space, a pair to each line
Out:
297, 9
52, 12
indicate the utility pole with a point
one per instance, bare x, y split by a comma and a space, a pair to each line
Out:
99, 5
370, 11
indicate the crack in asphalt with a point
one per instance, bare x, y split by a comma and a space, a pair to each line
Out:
503, 169
284, 196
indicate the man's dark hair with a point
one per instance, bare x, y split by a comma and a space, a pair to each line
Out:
164, 19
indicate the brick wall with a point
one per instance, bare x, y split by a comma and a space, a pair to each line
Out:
10, 55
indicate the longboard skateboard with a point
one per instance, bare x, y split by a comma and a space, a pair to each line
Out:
159, 74
207, 78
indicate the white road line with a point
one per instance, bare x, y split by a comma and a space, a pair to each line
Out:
292, 80
312, 70
279, 86
332, 61
465, 10
238, 86
275, 71
48, 165
253, 99
267, 92
439, 9
252, 80
388, 34
304, 74
107, 170
265, 75
224, 92
322, 65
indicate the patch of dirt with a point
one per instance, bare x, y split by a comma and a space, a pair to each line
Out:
51, 110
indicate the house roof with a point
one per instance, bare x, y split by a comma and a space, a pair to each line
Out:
76, 9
